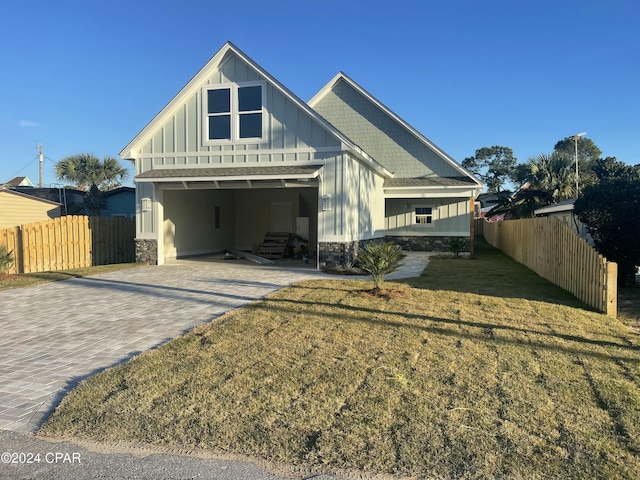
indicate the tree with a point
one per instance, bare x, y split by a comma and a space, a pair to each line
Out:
610, 209
553, 174
609, 168
92, 175
94, 201
588, 153
546, 179
493, 165
86, 170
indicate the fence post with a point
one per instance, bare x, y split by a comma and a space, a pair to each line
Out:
612, 289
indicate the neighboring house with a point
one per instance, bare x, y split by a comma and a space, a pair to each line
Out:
71, 199
19, 182
235, 154
121, 202
19, 209
564, 211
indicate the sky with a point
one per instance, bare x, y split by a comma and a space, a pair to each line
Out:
87, 76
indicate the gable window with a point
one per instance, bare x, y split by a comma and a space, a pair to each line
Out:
234, 112
219, 113
423, 216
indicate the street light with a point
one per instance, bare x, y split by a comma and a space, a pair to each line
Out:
575, 140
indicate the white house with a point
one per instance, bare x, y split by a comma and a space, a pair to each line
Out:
236, 154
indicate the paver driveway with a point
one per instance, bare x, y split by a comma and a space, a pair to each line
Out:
56, 334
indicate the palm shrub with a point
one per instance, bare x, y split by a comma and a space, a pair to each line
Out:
379, 259
456, 244
6, 259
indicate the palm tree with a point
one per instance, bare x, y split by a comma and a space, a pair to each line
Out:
92, 175
548, 178
86, 170
554, 175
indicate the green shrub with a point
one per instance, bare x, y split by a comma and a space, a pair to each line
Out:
456, 244
6, 259
379, 259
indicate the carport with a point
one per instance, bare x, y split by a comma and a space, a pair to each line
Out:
207, 210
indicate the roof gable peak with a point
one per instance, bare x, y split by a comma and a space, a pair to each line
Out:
200, 78
343, 77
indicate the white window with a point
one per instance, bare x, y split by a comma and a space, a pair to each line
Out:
234, 112
423, 216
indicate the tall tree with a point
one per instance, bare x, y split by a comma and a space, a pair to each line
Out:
92, 175
588, 153
493, 165
609, 168
546, 179
553, 174
610, 209
86, 170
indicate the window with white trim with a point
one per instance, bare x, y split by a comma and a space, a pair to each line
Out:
234, 112
423, 216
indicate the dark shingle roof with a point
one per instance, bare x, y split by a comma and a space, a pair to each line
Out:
428, 182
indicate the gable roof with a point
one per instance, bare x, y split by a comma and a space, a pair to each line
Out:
200, 77
115, 191
377, 135
565, 206
29, 197
20, 182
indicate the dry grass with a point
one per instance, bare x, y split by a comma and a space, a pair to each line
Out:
477, 369
8, 281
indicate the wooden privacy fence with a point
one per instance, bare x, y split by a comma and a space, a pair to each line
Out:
70, 242
551, 249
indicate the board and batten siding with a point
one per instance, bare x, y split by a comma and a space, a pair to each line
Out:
17, 209
357, 201
291, 135
450, 217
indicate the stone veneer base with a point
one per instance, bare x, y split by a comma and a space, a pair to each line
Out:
146, 251
338, 253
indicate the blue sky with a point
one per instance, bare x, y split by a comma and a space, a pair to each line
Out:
88, 75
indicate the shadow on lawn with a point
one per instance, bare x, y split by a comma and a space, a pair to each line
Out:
492, 273
451, 327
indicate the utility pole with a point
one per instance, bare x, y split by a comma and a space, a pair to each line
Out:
575, 140
40, 157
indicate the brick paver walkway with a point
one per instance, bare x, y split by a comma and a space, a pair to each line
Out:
54, 335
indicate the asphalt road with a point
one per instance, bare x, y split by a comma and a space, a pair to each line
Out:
25, 456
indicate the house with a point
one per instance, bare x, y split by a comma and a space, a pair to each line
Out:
235, 154
121, 202
71, 199
19, 182
19, 209
564, 212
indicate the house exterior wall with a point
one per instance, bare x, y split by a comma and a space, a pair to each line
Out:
451, 217
380, 135
189, 225
20, 210
290, 136
120, 203
357, 202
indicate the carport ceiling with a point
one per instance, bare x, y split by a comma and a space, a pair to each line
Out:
234, 177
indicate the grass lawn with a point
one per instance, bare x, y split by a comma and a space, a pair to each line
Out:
29, 279
477, 369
